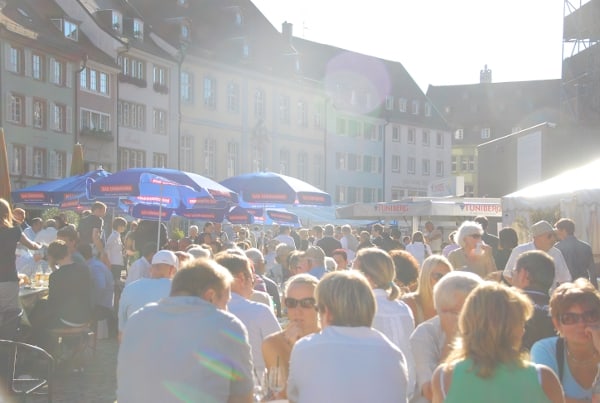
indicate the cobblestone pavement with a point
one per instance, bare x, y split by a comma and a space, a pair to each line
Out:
96, 384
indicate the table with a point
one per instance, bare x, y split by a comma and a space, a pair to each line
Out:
28, 296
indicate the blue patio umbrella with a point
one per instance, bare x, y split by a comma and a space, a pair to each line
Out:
150, 196
273, 188
269, 188
126, 183
53, 193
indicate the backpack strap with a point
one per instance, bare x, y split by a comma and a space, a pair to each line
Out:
560, 356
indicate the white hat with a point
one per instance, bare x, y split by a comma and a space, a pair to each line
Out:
541, 228
165, 257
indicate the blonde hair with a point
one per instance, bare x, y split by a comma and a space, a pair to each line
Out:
6, 217
487, 328
348, 298
425, 286
300, 279
377, 265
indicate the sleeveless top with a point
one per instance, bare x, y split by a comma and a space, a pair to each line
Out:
508, 383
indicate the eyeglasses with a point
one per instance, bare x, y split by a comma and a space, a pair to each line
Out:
476, 236
304, 302
572, 318
437, 276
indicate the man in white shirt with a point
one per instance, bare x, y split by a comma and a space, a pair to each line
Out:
544, 239
146, 290
285, 237
141, 267
259, 320
348, 361
114, 248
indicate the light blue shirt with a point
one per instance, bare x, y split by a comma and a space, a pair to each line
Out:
140, 293
544, 352
103, 283
318, 272
183, 349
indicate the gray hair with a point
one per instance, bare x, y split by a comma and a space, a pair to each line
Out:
255, 255
198, 252
467, 228
453, 283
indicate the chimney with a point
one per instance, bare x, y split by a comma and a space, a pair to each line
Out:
485, 75
287, 29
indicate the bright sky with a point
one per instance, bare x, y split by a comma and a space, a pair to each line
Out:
439, 42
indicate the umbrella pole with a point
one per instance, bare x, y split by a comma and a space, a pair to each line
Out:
159, 218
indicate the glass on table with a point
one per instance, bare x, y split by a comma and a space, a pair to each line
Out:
277, 380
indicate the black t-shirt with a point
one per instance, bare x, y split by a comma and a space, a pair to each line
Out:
86, 228
70, 293
9, 237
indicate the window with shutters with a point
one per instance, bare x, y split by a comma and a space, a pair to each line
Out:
160, 121
59, 118
187, 153
37, 66
39, 162
39, 113
16, 109
233, 157
187, 87
159, 160
15, 62
60, 164
210, 158
233, 97
210, 92
58, 69
18, 163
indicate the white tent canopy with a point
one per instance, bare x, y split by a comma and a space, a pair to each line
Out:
573, 194
423, 207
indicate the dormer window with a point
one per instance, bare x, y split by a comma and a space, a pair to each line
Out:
238, 18
138, 29
117, 22
68, 28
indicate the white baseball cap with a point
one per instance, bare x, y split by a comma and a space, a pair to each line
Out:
165, 257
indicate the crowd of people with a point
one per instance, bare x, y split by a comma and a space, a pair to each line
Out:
326, 314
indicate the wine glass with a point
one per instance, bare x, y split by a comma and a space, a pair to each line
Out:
277, 380
261, 384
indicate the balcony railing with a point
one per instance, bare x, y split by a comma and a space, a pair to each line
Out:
138, 82
104, 135
161, 88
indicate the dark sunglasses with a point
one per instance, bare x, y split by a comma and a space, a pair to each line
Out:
588, 317
437, 276
476, 236
304, 302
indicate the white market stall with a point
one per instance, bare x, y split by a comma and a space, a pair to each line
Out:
422, 207
573, 194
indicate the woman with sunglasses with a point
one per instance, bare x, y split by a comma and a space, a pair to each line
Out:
473, 255
393, 318
420, 302
575, 311
299, 300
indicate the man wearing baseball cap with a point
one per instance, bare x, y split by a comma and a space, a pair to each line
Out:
146, 290
544, 238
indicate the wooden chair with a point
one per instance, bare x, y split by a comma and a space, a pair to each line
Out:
21, 359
